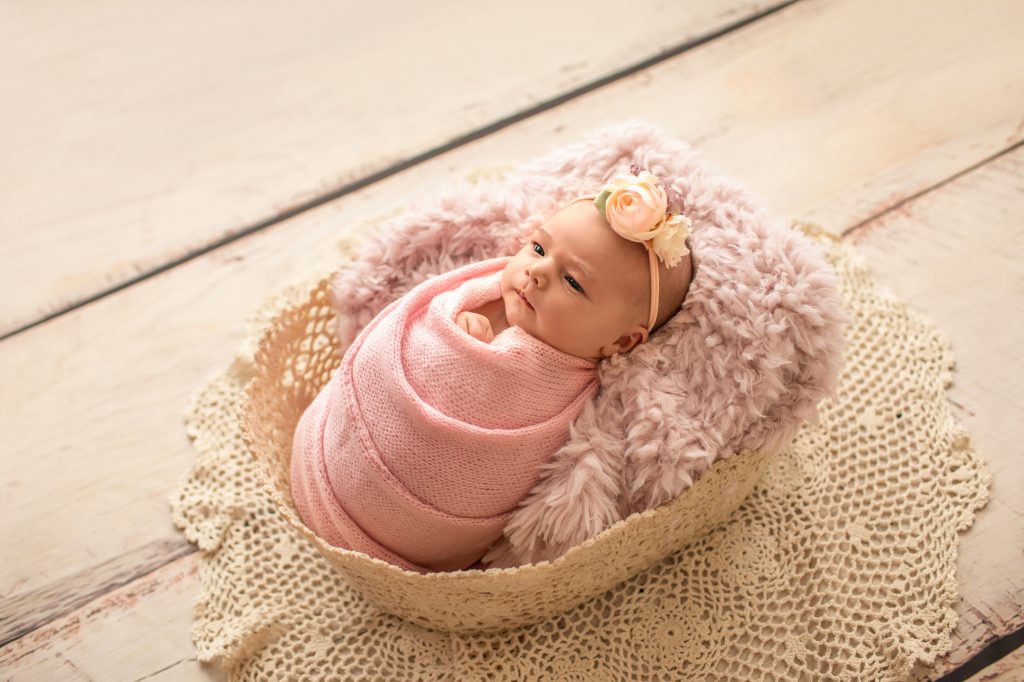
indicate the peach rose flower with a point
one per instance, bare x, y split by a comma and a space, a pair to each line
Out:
635, 207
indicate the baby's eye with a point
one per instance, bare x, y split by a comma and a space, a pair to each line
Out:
573, 283
538, 249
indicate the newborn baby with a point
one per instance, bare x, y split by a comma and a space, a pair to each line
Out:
579, 287
446, 405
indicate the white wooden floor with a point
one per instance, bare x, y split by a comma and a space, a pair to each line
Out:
165, 166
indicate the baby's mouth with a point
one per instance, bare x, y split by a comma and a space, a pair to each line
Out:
523, 296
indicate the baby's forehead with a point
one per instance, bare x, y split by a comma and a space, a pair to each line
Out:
609, 258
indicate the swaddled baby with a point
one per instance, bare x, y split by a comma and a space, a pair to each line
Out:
448, 402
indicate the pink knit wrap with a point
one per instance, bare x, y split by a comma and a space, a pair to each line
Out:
422, 443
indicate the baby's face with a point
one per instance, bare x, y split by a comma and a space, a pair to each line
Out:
586, 288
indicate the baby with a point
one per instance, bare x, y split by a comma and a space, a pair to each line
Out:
579, 287
446, 405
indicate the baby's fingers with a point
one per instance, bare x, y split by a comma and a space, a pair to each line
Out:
465, 321
484, 331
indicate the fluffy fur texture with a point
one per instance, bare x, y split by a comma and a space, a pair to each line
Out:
756, 345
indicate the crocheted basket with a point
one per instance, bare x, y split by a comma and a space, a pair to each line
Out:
297, 355
745, 390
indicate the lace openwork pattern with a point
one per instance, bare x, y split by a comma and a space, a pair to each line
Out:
833, 560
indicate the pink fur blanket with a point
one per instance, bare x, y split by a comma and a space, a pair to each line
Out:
756, 345
425, 439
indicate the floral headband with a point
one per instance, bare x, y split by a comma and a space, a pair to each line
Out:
638, 209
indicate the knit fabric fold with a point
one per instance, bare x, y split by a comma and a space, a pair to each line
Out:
425, 438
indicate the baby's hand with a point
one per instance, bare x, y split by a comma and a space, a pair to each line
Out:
478, 326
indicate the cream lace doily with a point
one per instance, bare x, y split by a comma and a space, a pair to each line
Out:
839, 565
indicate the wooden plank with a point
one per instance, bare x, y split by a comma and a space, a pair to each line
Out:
136, 133
140, 631
97, 393
954, 254
25, 612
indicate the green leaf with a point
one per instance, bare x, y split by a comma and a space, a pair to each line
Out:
600, 201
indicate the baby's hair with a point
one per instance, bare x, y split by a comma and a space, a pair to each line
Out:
674, 285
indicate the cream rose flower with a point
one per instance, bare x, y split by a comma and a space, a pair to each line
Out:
670, 242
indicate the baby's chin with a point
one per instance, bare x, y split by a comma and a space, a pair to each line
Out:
519, 317
515, 310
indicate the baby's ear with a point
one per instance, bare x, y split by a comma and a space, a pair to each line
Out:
626, 342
